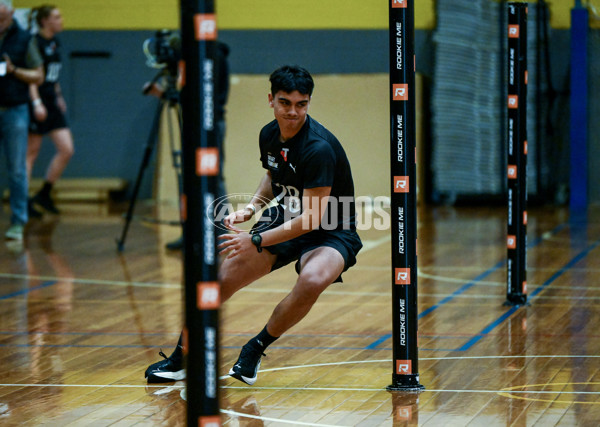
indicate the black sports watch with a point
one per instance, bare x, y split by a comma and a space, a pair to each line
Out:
257, 241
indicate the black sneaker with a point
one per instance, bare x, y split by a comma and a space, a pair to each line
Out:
246, 367
45, 202
170, 369
32, 212
175, 245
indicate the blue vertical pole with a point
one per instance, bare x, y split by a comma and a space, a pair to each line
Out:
579, 103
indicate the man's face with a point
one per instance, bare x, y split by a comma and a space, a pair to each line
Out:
290, 111
5, 18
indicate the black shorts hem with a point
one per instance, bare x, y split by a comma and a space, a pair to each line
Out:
346, 242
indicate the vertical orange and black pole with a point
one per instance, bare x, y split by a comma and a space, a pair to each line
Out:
403, 196
517, 155
200, 171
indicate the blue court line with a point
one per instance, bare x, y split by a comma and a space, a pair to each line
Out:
26, 291
462, 289
379, 341
566, 267
467, 286
510, 312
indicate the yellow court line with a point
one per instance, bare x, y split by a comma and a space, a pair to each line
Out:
512, 390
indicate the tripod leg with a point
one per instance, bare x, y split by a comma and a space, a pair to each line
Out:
175, 153
145, 160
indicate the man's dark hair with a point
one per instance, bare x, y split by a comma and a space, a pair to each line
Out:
290, 78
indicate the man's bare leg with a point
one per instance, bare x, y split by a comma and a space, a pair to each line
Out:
319, 269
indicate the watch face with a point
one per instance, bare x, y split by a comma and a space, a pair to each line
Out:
256, 239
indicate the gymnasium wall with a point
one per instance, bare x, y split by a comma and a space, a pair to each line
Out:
256, 14
104, 67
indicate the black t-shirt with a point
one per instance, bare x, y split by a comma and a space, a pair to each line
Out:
312, 158
52, 64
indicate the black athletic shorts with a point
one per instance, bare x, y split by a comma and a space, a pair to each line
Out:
346, 242
55, 119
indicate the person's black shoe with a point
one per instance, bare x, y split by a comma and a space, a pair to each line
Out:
247, 365
32, 212
175, 245
167, 370
45, 202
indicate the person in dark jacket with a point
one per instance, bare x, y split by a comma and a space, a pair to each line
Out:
20, 65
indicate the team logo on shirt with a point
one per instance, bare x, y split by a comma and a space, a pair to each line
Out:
50, 49
271, 162
284, 153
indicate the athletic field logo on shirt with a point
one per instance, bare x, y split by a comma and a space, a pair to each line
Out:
401, 184
402, 276
271, 162
400, 92
205, 26
207, 161
399, 3
404, 367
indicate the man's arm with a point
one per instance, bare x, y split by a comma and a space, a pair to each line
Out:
314, 205
314, 202
27, 75
262, 196
39, 109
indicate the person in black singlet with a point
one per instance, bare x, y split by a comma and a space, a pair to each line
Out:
48, 109
312, 223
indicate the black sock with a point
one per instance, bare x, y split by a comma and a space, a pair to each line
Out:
262, 340
178, 352
46, 189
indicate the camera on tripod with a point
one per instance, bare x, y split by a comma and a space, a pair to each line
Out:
163, 50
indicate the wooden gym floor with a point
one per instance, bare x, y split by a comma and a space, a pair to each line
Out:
79, 323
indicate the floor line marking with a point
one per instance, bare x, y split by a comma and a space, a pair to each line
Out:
486, 273
90, 281
372, 244
526, 356
278, 420
28, 290
513, 309
241, 387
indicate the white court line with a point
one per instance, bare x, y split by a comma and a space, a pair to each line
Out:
284, 368
317, 365
241, 387
89, 281
278, 420
337, 389
426, 389
372, 244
